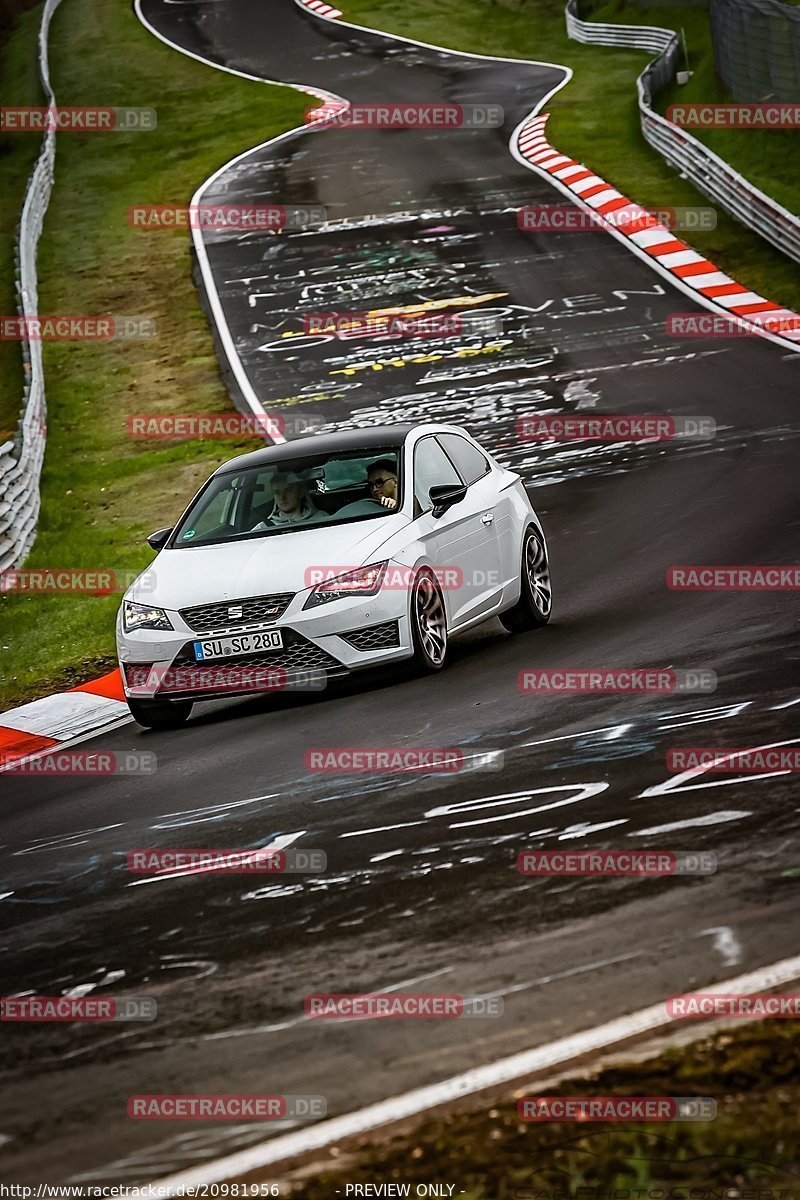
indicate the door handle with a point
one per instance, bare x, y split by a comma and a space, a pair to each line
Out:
487, 518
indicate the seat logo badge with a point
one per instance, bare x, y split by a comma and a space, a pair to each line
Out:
235, 610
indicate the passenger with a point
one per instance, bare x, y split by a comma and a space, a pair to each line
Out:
382, 482
292, 504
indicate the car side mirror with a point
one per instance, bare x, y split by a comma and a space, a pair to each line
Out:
445, 495
158, 540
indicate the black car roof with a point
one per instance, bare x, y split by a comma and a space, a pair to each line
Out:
376, 437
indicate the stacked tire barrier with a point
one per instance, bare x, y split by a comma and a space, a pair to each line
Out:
21, 457
707, 171
757, 48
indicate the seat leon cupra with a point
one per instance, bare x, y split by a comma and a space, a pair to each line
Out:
326, 555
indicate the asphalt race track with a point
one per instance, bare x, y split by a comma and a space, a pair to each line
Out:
421, 890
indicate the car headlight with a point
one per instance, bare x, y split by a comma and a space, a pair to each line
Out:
366, 581
143, 616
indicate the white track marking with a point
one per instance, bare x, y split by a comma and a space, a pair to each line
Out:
65, 841
579, 831
585, 792
676, 782
717, 818
568, 737
503, 1071
280, 1026
380, 829
583, 969
201, 816
280, 843
726, 943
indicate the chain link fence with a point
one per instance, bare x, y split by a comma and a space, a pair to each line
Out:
707, 171
757, 48
21, 457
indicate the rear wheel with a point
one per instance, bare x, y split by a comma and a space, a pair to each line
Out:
428, 623
535, 603
160, 714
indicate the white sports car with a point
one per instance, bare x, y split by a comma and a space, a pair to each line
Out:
326, 555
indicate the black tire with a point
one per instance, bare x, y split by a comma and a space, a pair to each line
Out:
428, 624
535, 603
160, 714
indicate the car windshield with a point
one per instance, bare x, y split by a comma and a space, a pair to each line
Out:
293, 494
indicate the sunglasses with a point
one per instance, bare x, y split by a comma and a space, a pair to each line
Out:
373, 483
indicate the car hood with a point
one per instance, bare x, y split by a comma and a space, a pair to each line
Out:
260, 566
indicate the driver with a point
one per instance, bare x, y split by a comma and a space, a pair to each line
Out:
382, 482
292, 504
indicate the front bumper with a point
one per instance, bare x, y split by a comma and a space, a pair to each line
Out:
322, 643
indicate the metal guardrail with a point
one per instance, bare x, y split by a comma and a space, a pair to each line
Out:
707, 171
21, 458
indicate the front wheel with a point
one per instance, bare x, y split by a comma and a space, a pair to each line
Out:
535, 603
428, 624
160, 714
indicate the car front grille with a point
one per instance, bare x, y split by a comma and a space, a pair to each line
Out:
297, 654
299, 664
255, 610
374, 637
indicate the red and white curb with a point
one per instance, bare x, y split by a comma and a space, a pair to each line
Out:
651, 240
321, 9
51, 722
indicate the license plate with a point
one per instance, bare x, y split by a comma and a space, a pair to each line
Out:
245, 643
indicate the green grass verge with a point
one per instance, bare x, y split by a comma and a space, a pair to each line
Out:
18, 153
751, 1150
595, 118
101, 492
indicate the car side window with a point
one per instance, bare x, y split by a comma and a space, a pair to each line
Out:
432, 468
471, 463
